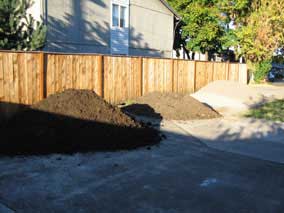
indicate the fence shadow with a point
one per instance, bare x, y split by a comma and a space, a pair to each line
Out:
33, 132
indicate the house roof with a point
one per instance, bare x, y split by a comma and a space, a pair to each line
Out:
164, 2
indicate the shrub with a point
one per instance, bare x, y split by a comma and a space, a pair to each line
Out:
261, 70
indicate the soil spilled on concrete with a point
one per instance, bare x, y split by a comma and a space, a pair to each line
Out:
70, 122
170, 106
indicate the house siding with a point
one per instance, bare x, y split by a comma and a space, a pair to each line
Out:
78, 26
85, 26
151, 29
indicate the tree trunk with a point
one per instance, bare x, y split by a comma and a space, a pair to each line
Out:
193, 56
186, 52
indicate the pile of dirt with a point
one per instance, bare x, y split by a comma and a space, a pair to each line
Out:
170, 106
70, 122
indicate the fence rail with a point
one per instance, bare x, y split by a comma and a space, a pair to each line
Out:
26, 78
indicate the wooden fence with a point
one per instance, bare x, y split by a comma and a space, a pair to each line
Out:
26, 78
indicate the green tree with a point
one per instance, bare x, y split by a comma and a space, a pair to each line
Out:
19, 30
253, 27
261, 35
203, 25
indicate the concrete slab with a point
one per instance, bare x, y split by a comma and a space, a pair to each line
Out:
232, 98
251, 137
179, 175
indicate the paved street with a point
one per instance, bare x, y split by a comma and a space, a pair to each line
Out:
180, 175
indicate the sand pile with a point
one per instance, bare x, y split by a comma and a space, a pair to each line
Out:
70, 122
170, 106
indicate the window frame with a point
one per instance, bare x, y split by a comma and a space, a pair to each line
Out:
112, 15
126, 18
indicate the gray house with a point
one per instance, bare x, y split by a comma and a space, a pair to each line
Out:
123, 27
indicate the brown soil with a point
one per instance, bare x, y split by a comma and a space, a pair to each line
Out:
70, 122
170, 106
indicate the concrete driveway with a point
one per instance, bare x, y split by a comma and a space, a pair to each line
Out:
233, 133
232, 98
246, 136
182, 174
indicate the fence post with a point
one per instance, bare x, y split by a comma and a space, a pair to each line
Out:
194, 76
141, 75
213, 71
42, 66
101, 75
173, 74
228, 71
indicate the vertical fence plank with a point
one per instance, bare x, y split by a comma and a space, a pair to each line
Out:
195, 73
201, 75
25, 87
243, 73
100, 75
184, 76
21, 80
16, 78
228, 71
220, 71
234, 72
7, 73
2, 107
49, 75
140, 70
122, 78
73, 72
158, 75
34, 80
1, 77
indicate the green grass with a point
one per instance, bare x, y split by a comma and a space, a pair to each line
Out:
273, 111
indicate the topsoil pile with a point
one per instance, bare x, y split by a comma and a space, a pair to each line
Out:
70, 122
170, 106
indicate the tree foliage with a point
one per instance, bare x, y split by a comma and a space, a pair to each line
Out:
263, 33
19, 30
253, 27
201, 29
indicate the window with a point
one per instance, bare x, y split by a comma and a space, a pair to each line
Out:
115, 15
119, 16
123, 16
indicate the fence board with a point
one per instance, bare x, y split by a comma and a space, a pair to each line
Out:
243, 73
204, 74
7, 74
16, 78
22, 78
121, 78
220, 71
183, 76
234, 72
73, 71
19, 81
157, 75
1, 77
